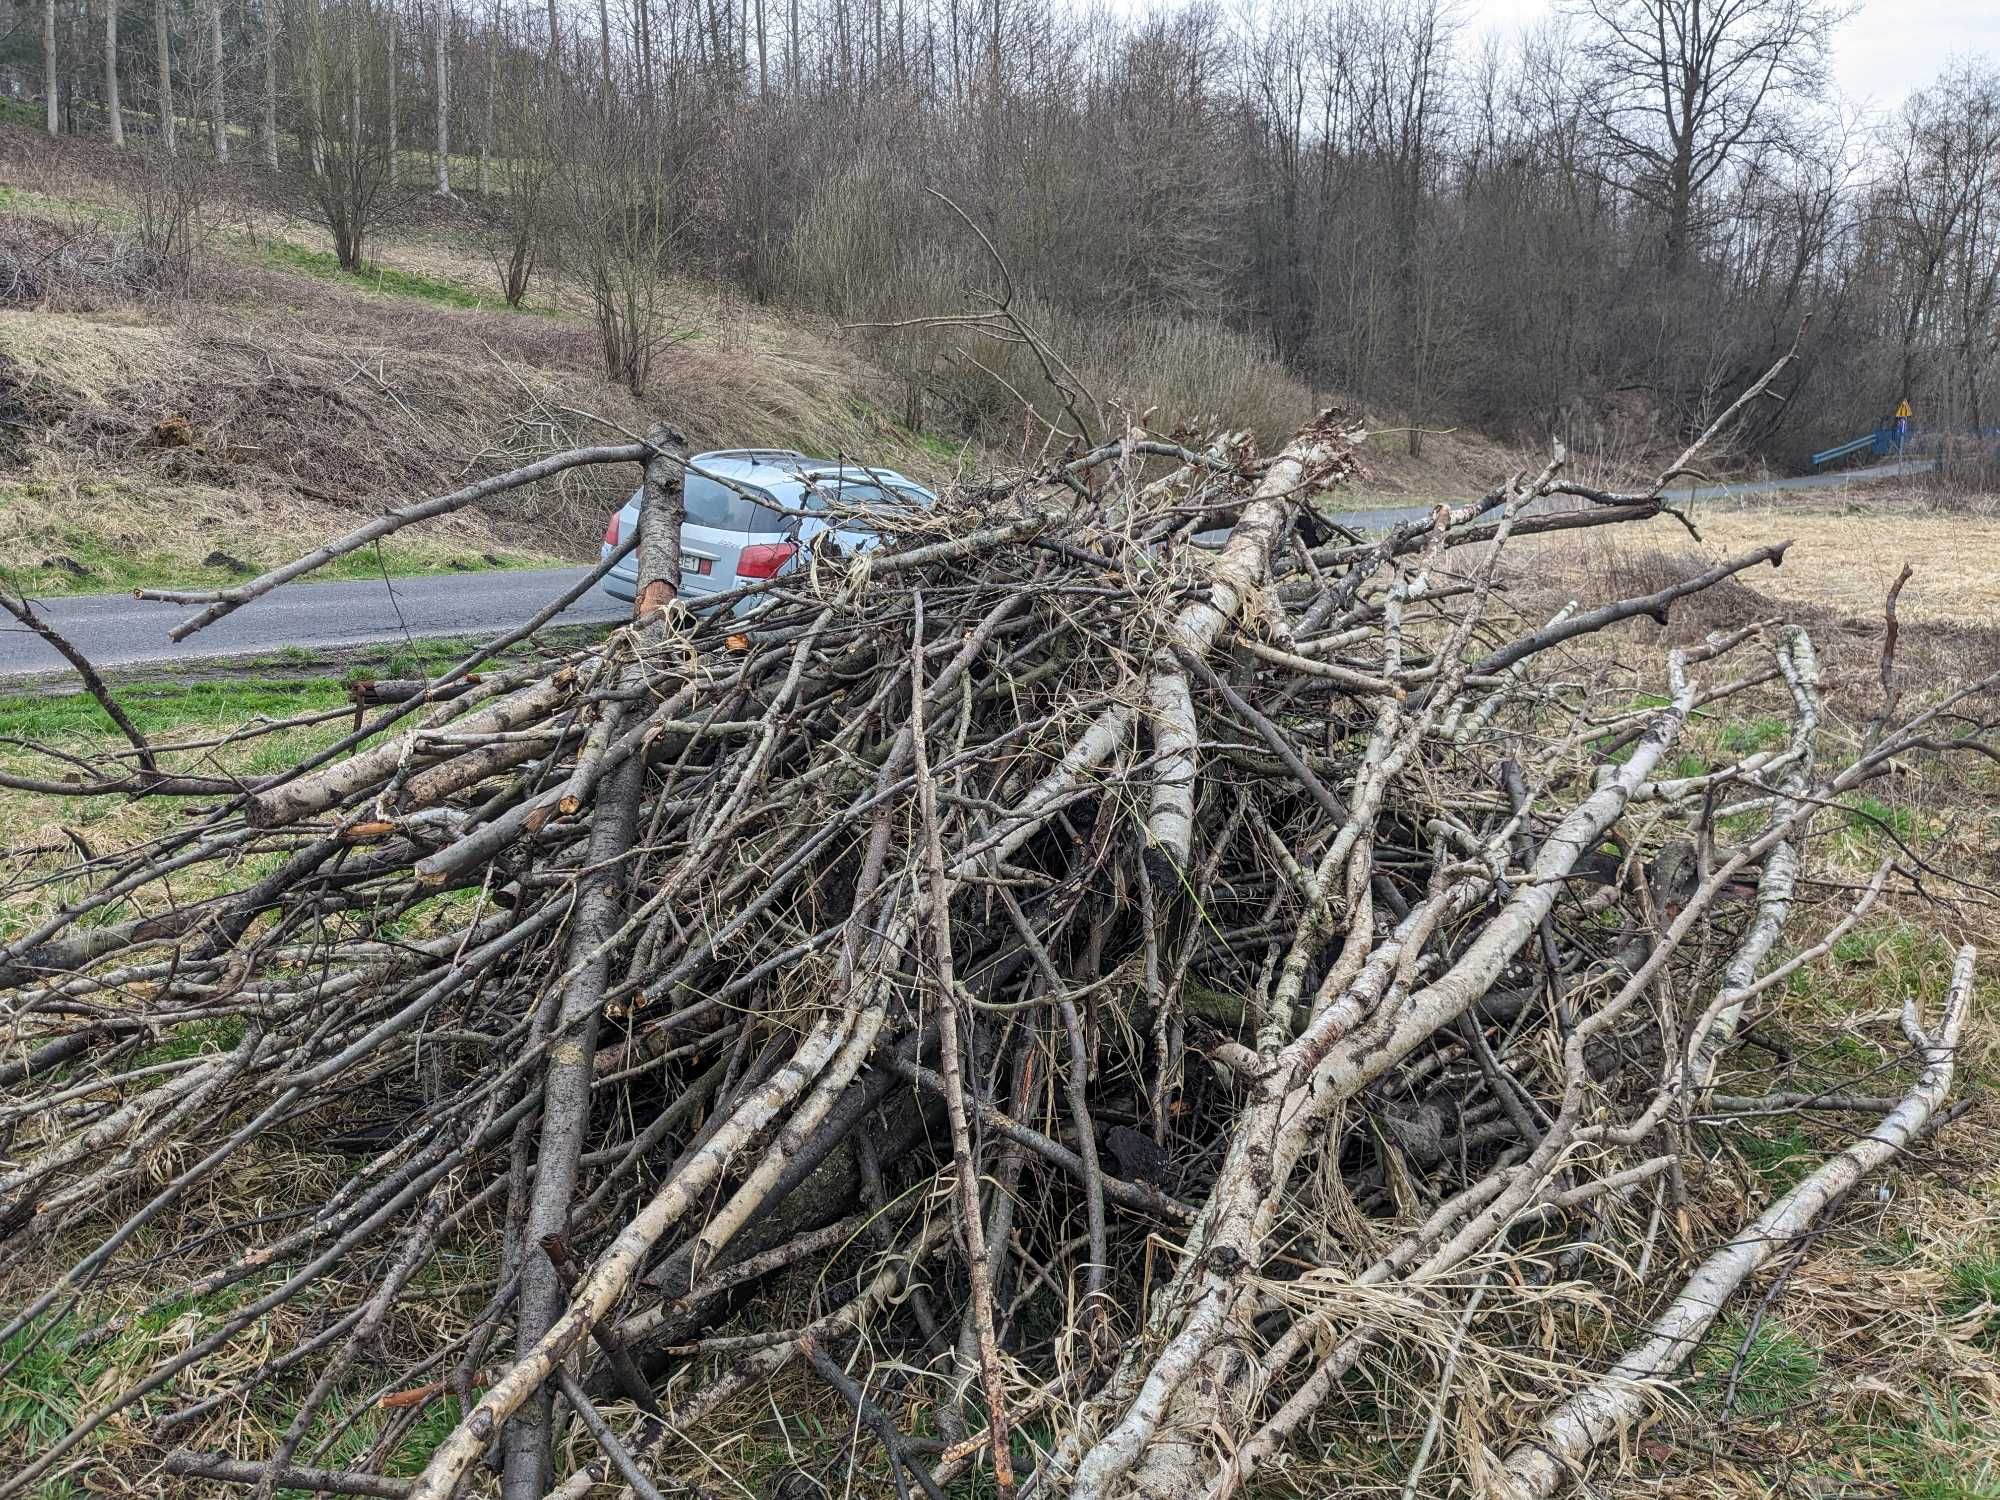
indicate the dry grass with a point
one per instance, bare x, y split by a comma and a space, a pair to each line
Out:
1843, 563
310, 404
312, 396
1874, 1370
1454, 464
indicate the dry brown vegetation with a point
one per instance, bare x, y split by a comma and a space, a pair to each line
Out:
144, 427
280, 405
1868, 1364
1828, 1384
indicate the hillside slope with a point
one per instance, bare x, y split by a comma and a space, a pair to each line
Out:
184, 434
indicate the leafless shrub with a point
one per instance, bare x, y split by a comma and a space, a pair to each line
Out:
1967, 476
515, 235
623, 208
340, 121
865, 255
1630, 570
173, 224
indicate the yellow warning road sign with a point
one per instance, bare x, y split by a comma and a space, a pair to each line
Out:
1903, 409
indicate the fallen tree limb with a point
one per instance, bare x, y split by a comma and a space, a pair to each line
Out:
1539, 1465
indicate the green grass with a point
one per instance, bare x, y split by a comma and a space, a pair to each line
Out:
1741, 825
1908, 957
1777, 1374
1746, 736
164, 709
1857, 947
40, 1397
425, 658
1780, 1160
1921, 1459
1874, 816
942, 449
195, 1039
1975, 1286
432, 915
53, 1384
439, 1418
385, 280
158, 709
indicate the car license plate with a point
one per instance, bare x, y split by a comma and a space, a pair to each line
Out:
700, 566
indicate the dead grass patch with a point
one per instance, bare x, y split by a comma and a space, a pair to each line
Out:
1455, 464
1873, 1367
308, 402
1842, 564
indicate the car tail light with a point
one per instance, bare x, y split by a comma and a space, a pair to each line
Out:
611, 531
764, 560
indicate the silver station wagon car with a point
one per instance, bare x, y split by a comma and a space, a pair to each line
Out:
753, 512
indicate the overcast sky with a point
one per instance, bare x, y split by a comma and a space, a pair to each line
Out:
1888, 48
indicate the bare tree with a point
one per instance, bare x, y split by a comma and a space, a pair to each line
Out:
218, 112
1463, 238
763, 55
1684, 86
54, 115
270, 118
621, 219
486, 119
393, 122
340, 120
114, 117
1944, 205
163, 29
442, 95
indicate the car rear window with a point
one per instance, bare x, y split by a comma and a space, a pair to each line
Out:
829, 492
712, 504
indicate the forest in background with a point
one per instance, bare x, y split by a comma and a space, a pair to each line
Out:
1595, 230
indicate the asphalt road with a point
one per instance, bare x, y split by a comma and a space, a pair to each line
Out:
116, 630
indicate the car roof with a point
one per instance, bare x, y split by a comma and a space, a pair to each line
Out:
751, 465
766, 466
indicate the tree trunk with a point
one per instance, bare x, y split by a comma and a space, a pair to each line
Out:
395, 101
162, 32
270, 122
315, 88
49, 65
642, 47
443, 92
604, 48
599, 911
218, 112
555, 35
486, 125
763, 56
351, 134
113, 114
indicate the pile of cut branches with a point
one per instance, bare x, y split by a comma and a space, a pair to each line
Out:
1083, 998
